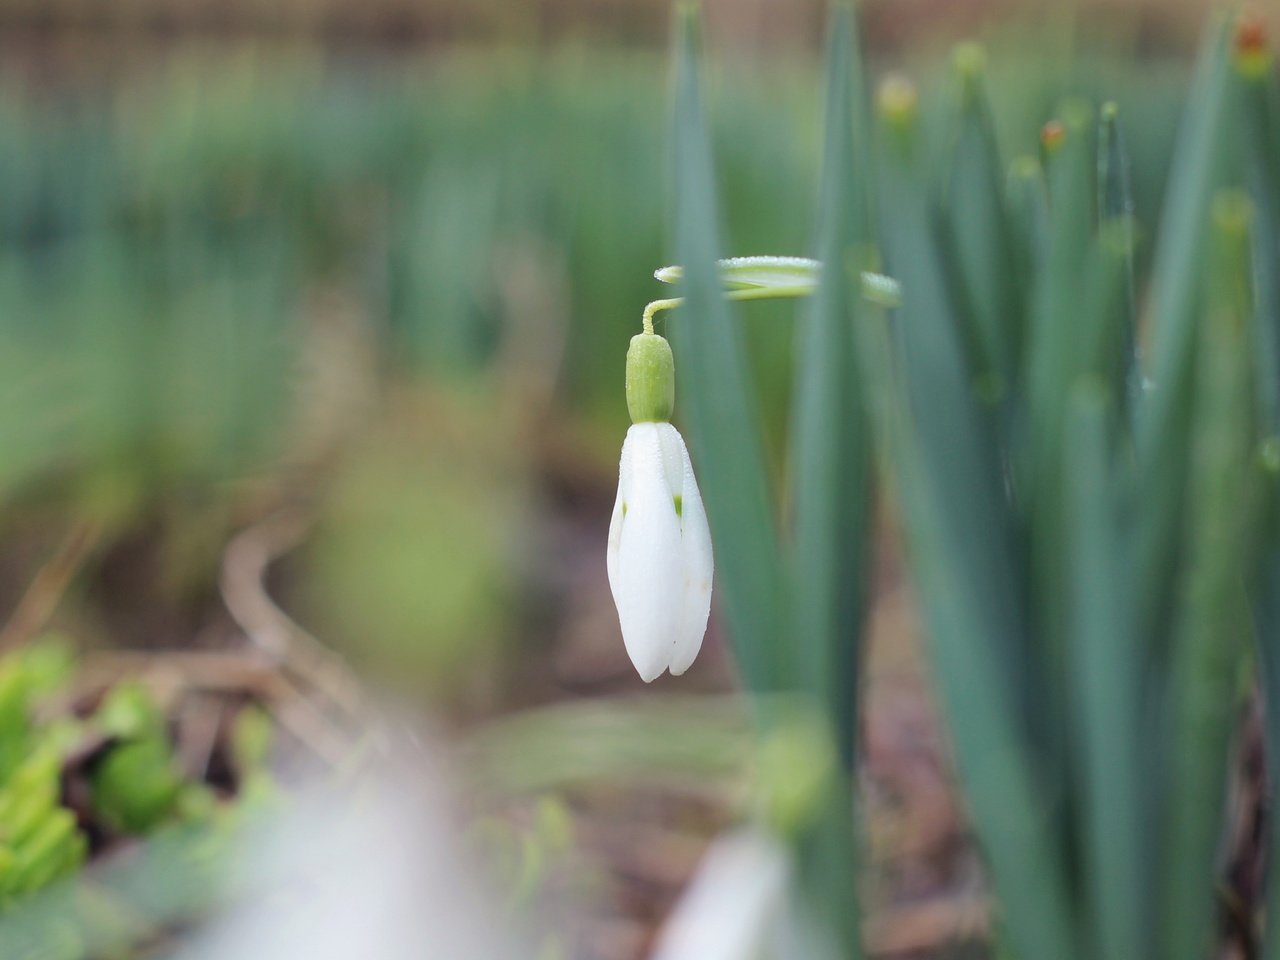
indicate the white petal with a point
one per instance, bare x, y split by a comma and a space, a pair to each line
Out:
698, 567
649, 577
736, 900
674, 457
615, 527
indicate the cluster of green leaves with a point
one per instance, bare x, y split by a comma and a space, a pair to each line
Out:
40, 839
1086, 540
135, 783
1092, 533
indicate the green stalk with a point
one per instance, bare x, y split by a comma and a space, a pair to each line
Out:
1116, 209
830, 455
962, 547
957, 425
1107, 683
1200, 160
831, 482
1055, 349
1260, 112
1061, 326
979, 235
718, 399
1267, 618
1028, 204
1260, 106
1212, 620
828, 570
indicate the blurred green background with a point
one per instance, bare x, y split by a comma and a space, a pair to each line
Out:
378, 264
335, 297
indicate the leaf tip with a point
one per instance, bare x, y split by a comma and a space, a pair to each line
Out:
897, 100
1251, 47
969, 62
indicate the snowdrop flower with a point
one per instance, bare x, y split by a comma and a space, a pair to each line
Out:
659, 556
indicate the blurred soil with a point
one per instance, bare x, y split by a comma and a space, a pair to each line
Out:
209, 648
924, 890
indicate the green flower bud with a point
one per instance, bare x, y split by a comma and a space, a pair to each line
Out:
651, 379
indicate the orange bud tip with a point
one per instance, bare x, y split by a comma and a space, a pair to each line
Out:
1052, 135
1251, 46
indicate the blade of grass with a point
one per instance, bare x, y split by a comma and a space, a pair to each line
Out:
952, 486
957, 426
979, 235
1056, 356
1028, 203
1011, 820
1260, 101
1054, 348
1211, 640
1107, 683
829, 463
1266, 610
831, 483
1260, 114
1115, 206
1200, 158
718, 397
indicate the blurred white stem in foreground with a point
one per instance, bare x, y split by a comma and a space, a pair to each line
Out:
376, 873
738, 906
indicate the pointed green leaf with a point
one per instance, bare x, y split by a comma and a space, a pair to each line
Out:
1200, 160
1028, 204
1107, 683
829, 463
1115, 208
1212, 624
962, 547
979, 235
718, 398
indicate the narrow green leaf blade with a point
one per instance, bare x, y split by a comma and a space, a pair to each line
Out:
1056, 357
1028, 205
1260, 115
716, 395
1116, 210
829, 464
1212, 626
1266, 610
1055, 350
1107, 683
1260, 110
1163, 418
979, 235
964, 559
831, 479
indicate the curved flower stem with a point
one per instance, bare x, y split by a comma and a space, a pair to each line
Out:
647, 318
748, 293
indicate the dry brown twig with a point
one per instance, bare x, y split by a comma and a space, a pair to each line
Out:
309, 667
49, 584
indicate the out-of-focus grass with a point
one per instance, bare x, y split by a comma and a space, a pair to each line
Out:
217, 289
377, 291
228, 288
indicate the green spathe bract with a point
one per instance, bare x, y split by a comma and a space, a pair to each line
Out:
651, 379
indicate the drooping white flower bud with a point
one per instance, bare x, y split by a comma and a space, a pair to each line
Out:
659, 557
